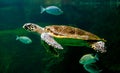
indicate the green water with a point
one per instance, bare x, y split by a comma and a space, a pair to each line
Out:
101, 17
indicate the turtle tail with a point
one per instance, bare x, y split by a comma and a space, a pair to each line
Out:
99, 46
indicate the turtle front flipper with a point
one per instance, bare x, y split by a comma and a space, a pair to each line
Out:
49, 49
50, 41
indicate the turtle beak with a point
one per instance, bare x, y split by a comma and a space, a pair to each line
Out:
26, 26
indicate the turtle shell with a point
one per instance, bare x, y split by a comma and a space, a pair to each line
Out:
62, 31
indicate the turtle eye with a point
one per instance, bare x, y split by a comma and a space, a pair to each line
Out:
25, 27
32, 28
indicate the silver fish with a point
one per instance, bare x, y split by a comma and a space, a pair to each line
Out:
54, 10
24, 39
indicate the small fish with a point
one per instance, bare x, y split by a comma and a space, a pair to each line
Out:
54, 10
92, 68
88, 59
24, 39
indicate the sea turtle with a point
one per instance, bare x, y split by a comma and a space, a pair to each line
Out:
57, 36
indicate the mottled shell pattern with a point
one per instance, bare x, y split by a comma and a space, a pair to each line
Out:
62, 31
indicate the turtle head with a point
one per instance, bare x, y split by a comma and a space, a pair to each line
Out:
32, 27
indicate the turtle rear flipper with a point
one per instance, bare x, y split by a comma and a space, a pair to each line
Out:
99, 46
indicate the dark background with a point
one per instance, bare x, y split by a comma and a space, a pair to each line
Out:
101, 17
